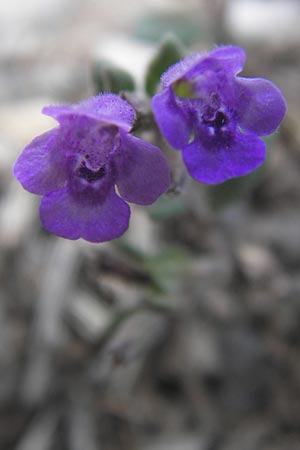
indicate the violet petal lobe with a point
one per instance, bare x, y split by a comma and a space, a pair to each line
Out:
232, 58
260, 105
142, 171
108, 108
213, 165
40, 168
67, 217
171, 119
221, 63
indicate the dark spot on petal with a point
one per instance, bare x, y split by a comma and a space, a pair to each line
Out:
218, 121
89, 174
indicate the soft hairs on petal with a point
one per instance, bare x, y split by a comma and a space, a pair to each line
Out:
260, 105
142, 171
215, 165
171, 119
61, 214
108, 108
41, 167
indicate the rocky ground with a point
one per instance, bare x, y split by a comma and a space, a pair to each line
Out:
185, 333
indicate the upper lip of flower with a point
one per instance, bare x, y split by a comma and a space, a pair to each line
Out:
91, 109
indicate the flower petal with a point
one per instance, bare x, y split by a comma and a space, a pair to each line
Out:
230, 58
261, 106
171, 119
85, 136
108, 108
213, 165
142, 171
67, 217
40, 167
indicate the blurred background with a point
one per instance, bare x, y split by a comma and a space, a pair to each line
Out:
185, 333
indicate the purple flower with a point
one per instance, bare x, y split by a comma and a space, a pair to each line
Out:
215, 117
76, 166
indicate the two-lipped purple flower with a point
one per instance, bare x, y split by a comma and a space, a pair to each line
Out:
77, 166
215, 117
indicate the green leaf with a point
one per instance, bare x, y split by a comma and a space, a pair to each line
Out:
169, 52
110, 78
